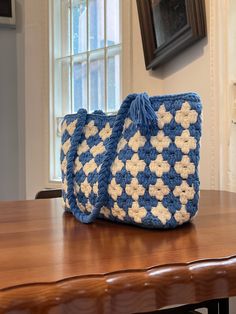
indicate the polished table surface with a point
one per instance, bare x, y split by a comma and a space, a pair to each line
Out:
51, 263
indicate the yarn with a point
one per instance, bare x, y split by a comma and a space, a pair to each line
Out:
143, 115
138, 167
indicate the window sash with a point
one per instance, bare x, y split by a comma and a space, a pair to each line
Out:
64, 62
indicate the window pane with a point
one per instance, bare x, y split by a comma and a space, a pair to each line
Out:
80, 82
113, 80
61, 28
57, 165
113, 22
62, 99
96, 81
79, 26
62, 87
96, 24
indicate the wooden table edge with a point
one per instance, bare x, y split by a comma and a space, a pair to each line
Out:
133, 290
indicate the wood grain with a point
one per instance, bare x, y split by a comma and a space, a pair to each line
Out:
50, 263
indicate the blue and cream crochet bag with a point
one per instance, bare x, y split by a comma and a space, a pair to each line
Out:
138, 167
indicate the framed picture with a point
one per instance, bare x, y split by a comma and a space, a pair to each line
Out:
169, 26
7, 13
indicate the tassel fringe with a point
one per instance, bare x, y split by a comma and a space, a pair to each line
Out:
143, 115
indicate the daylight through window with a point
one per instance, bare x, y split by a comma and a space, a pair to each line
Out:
86, 62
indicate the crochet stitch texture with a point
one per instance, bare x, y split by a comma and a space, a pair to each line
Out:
138, 167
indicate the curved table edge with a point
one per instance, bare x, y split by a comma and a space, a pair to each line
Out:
129, 291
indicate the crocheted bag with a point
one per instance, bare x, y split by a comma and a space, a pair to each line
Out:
139, 166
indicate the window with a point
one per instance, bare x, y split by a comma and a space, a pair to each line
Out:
85, 62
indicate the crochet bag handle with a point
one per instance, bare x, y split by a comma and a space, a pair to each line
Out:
75, 141
142, 114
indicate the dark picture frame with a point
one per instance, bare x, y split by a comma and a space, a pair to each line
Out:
8, 13
189, 20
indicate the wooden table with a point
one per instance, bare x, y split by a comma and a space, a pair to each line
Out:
50, 263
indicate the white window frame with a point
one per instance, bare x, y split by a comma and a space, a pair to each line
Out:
126, 36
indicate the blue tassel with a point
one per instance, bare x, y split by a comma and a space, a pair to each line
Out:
143, 115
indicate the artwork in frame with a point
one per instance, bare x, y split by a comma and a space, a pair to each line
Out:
8, 13
168, 27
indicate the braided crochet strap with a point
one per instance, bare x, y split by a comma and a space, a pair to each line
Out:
75, 141
139, 106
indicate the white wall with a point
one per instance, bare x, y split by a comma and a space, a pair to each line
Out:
232, 159
9, 155
31, 93
36, 86
232, 81
141, 80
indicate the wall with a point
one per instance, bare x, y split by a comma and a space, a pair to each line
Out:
20, 48
141, 80
232, 82
9, 178
22, 103
31, 90
35, 29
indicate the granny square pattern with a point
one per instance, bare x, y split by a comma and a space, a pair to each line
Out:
137, 167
